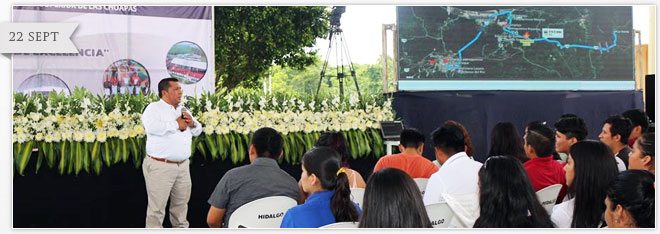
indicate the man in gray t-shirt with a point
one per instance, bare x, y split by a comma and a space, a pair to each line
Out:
262, 178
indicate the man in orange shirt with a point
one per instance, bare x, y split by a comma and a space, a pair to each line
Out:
410, 159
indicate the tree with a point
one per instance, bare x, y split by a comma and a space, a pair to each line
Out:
369, 77
250, 39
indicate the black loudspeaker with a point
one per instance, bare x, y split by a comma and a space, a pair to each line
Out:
650, 96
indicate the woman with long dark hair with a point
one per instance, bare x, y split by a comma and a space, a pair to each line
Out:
392, 200
337, 141
642, 155
507, 198
630, 200
505, 140
330, 197
589, 170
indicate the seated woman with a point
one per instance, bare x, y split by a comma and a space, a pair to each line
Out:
392, 200
642, 155
336, 141
330, 197
630, 200
589, 170
505, 140
507, 198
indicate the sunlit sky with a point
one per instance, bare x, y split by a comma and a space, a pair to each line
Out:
362, 26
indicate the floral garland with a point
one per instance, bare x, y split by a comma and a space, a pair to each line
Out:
85, 132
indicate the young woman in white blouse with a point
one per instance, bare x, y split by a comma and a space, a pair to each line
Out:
590, 168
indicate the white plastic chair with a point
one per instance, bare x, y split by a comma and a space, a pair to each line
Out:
341, 225
548, 196
440, 214
266, 212
421, 184
357, 195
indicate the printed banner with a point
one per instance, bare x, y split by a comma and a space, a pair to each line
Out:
121, 49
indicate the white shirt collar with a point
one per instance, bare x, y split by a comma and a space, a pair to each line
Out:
455, 157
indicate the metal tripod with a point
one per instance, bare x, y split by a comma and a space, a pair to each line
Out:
341, 50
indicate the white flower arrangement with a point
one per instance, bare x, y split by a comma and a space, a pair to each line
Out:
108, 129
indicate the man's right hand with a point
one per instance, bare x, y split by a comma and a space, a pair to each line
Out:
182, 123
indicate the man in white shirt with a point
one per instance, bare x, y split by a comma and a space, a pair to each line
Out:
458, 173
166, 167
456, 182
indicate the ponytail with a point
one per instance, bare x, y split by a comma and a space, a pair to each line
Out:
341, 205
324, 162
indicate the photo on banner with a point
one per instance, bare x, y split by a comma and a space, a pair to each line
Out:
121, 50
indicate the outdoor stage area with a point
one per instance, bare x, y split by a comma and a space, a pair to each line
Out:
117, 197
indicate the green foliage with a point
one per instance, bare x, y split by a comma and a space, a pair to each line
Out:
249, 39
369, 76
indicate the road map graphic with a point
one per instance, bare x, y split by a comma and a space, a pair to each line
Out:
515, 43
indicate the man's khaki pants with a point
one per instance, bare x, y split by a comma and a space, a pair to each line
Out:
163, 181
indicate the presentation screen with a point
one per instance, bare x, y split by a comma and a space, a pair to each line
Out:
515, 48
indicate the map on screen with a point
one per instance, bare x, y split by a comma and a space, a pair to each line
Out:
546, 43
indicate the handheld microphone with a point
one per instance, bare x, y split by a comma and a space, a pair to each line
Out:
183, 109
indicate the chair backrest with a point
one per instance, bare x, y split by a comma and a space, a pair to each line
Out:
440, 214
342, 225
465, 208
266, 212
421, 184
357, 194
548, 196
436, 163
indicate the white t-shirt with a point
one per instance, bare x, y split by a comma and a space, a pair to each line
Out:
458, 175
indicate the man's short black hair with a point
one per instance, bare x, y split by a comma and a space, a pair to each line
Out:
572, 127
638, 118
411, 138
268, 143
164, 84
449, 139
542, 139
620, 125
534, 124
567, 115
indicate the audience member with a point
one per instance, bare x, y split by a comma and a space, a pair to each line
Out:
410, 160
337, 141
541, 169
538, 123
630, 200
569, 130
392, 200
458, 173
640, 124
262, 178
506, 197
614, 134
505, 140
642, 155
590, 168
330, 196
469, 148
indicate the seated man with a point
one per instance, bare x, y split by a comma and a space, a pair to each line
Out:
262, 178
410, 160
640, 124
458, 174
539, 142
614, 134
569, 130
